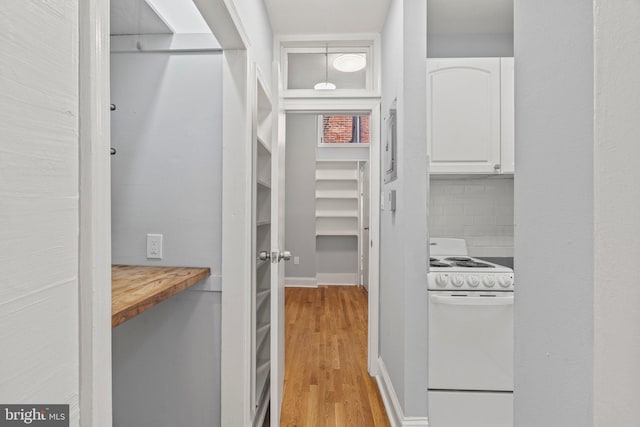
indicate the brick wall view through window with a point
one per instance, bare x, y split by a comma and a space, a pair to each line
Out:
341, 129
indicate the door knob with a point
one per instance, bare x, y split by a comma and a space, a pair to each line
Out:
264, 255
284, 255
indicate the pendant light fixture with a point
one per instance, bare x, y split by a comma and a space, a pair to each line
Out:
326, 84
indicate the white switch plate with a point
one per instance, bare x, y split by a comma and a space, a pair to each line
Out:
296, 260
154, 246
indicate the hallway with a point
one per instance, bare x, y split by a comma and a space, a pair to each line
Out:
326, 380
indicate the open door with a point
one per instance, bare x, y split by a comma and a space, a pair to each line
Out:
277, 270
268, 265
364, 225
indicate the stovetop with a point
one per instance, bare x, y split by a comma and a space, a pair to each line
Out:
450, 268
459, 261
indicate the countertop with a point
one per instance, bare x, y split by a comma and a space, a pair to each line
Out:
136, 288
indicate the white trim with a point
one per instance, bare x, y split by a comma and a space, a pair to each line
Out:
236, 240
391, 402
331, 105
164, 43
374, 236
389, 396
370, 40
301, 282
224, 21
94, 265
341, 279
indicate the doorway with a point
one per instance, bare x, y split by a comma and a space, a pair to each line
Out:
355, 106
325, 207
331, 207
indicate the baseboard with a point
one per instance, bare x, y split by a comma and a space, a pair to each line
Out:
338, 279
300, 282
391, 402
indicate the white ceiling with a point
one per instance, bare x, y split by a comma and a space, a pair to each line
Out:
135, 17
469, 16
327, 16
130, 17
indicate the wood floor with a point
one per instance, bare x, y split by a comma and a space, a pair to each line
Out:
326, 382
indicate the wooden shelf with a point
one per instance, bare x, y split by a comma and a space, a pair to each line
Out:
261, 297
263, 183
335, 195
336, 233
336, 179
136, 288
262, 333
337, 214
264, 144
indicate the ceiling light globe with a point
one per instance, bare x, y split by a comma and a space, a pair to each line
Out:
350, 62
325, 86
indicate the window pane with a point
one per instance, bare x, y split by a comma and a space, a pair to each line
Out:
342, 129
304, 70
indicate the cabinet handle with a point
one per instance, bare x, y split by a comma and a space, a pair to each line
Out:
496, 167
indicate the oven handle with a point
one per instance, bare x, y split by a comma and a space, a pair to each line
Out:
438, 299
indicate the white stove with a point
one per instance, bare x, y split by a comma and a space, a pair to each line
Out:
470, 334
451, 268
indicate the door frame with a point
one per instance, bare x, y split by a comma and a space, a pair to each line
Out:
94, 239
373, 106
94, 265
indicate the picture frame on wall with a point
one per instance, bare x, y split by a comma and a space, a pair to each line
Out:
391, 145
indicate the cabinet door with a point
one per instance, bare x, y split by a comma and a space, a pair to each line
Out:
463, 115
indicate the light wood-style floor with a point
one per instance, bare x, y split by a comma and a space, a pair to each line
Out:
326, 382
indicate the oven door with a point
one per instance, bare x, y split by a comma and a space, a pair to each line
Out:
470, 340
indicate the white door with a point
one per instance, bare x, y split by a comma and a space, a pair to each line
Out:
463, 115
364, 224
278, 253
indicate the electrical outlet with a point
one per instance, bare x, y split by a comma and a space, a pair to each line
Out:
154, 246
296, 260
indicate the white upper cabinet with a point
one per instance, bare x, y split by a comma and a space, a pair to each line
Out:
470, 115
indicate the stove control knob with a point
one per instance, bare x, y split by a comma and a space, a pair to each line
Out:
473, 281
457, 280
489, 281
505, 280
442, 280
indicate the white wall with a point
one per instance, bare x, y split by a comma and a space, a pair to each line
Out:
167, 179
166, 364
166, 175
300, 210
479, 210
403, 258
554, 202
617, 203
39, 203
469, 45
255, 21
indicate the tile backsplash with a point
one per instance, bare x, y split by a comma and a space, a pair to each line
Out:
479, 210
